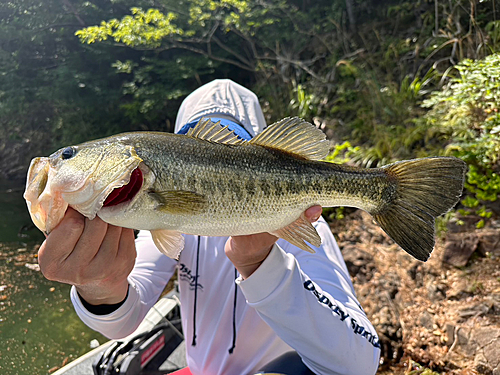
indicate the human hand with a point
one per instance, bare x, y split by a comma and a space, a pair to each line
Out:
92, 255
248, 252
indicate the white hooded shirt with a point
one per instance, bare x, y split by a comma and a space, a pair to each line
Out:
293, 301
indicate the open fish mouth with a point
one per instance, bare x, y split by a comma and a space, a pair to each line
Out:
126, 192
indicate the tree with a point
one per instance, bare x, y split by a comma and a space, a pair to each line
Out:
53, 89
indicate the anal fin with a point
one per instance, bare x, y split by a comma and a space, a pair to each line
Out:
298, 232
169, 242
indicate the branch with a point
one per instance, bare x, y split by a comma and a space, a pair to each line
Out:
211, 36
234, 53
209, 55
248, 40
297, 63
350, 15
75, 13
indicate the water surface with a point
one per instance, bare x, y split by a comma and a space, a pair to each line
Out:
39, 330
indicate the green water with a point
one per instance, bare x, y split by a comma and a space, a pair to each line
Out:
39, 330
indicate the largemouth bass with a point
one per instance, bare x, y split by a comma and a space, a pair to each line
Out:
210, 182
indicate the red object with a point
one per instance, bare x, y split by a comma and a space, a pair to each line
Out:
149, 354
184, 371
127, 192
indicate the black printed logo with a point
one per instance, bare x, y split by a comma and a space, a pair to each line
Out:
356, 327
186, 275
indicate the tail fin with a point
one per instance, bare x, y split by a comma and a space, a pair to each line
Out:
426, 188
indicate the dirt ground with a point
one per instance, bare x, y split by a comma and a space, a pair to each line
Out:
432, 317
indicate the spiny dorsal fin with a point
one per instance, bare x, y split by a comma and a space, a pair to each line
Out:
214, 132
295, 136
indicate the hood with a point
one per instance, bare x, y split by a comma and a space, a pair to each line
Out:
221, 98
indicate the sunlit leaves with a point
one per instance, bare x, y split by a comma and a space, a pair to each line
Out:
139, 29
148, 28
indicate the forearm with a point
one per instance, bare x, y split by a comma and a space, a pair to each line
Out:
327, 328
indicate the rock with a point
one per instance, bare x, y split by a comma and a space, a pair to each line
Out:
482, 344
459, 289
435, 290
359, 263
489, 242
416, 272
492, 355
468, 223
426, 320
459, 248
477, 310
463, 343
94, 343
485, 336
481, 365
450, 333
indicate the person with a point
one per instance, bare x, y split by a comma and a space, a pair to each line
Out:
245, 300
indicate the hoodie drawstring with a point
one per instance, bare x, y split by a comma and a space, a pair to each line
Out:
231, 349
193, 343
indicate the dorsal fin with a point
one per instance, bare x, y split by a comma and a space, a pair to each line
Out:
214, 132
295, 136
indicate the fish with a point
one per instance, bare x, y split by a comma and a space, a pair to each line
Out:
210, 182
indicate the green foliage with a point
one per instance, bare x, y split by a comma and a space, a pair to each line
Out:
229, 31
54, 90
142, 28
466, 113
384, 120
415, 368
50, 85
342, 153
303, 104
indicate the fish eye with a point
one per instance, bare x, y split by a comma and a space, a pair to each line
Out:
68, 153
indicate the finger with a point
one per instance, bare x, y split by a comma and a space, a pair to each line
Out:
109, 246
105, 266
313, 213
254, 241
117, 248
127, 252
61, 242
90, 241
127, 244
116, 257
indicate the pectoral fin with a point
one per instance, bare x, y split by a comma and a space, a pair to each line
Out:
298, 232
180, 202
169, 242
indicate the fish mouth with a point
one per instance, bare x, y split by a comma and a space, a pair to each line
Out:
126, 192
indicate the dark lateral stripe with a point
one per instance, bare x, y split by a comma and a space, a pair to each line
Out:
250, 185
